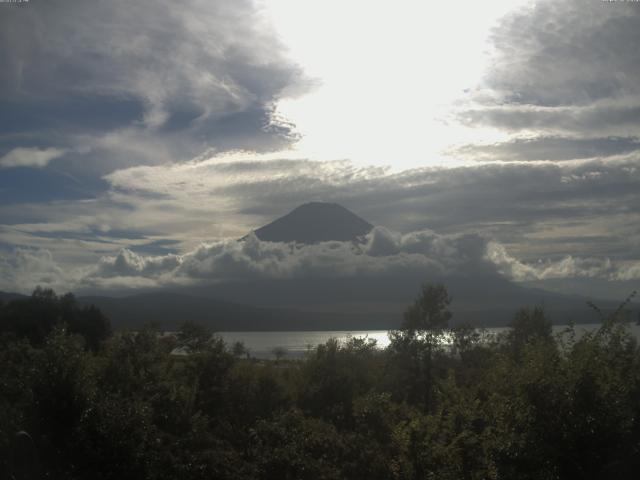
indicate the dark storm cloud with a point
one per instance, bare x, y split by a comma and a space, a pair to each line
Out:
141, 82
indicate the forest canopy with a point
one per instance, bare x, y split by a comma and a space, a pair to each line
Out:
80, 401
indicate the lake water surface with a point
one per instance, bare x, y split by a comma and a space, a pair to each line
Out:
296, 344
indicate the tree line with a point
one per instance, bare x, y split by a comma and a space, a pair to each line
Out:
80, 401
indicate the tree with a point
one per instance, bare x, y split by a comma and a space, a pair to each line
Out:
429, 315
529, 326
33, 318
419, 339
334, 375
193, 336
36, 317
239, 349
279, 353
91, 324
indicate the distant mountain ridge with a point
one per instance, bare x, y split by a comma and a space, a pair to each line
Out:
9, 296
169, 309
315, 222
326, 304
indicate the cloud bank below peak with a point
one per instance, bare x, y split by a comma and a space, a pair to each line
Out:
384, 253
537, 210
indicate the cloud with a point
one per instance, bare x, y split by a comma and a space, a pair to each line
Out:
628, 271
143, 82
562, 84
30, 157
538, 210
548, 149
384, 254
613, 118
566, 267
503, 200
24, 269
574, 53
171, 83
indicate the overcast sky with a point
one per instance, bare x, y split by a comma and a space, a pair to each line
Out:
138, 140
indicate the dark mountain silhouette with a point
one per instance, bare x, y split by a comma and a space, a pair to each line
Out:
315, 222
480, 301
332, 304
168, 309
8, 296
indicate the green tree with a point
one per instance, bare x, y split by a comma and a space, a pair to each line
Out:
194, 336
419, 339
334, 375
61, 388
35, 318
239, 349
529, 326
279, 352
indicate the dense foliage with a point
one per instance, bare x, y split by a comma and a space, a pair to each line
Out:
522, 405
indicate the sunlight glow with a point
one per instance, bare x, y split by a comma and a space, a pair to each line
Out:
389, 75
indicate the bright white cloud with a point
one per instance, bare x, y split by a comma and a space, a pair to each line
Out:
628, 271
566, 267
384, 253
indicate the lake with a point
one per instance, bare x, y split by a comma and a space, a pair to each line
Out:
296, 344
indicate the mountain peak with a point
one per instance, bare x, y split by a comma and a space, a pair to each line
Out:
315, 222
